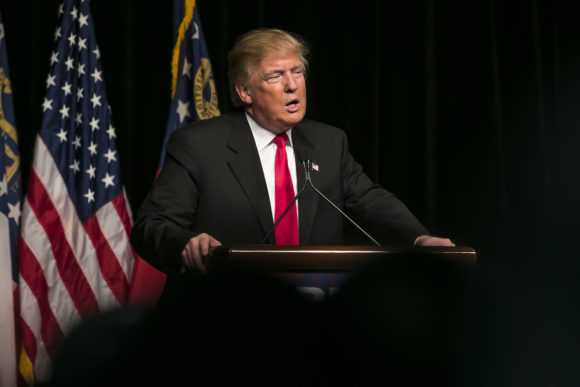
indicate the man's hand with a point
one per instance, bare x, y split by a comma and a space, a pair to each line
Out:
428, 240
198, 248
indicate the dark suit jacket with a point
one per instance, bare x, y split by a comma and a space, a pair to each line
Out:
212, 182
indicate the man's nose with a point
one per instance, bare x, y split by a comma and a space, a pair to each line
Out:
289, 83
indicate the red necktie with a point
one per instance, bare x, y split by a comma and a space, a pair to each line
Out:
287, 230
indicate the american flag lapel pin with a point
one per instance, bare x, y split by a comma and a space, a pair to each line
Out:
314, 166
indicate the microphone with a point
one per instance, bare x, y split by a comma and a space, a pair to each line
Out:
307, 163
285, 211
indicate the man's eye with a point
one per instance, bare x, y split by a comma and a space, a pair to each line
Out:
298, 72
273, 78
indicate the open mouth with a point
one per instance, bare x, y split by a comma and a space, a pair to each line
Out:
293, 105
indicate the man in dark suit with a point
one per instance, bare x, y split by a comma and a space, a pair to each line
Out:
221, 179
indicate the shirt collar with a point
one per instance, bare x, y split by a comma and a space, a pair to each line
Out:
262, 136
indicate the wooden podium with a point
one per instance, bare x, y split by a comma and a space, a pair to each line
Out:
318, 271
323, 259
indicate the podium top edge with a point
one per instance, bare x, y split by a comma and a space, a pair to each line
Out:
325, 249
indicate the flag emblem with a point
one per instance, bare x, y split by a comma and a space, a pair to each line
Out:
10, 200
193, 89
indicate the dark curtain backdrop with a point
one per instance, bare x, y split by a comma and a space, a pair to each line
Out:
468, 111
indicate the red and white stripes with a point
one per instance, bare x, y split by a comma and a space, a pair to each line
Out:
68, 270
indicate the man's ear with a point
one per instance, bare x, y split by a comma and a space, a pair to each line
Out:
244, 94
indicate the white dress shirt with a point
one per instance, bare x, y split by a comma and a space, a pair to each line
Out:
267, 151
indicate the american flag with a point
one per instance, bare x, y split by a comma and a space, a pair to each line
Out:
10, 199
74, 250
194, 97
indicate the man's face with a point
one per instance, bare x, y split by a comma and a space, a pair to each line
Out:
275, 95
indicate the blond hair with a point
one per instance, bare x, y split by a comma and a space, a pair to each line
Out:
256, 45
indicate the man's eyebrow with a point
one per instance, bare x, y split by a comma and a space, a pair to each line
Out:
281, 70
274, 71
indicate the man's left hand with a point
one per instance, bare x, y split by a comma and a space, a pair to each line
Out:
428, 240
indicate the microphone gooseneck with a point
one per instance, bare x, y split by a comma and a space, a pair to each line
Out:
283, 214
307, 164
307, 167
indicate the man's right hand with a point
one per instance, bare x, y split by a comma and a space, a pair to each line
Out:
197, 249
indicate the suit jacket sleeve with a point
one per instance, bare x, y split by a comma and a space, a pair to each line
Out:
373, 206
165, 220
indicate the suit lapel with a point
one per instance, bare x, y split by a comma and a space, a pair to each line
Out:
246, 166
308, 202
